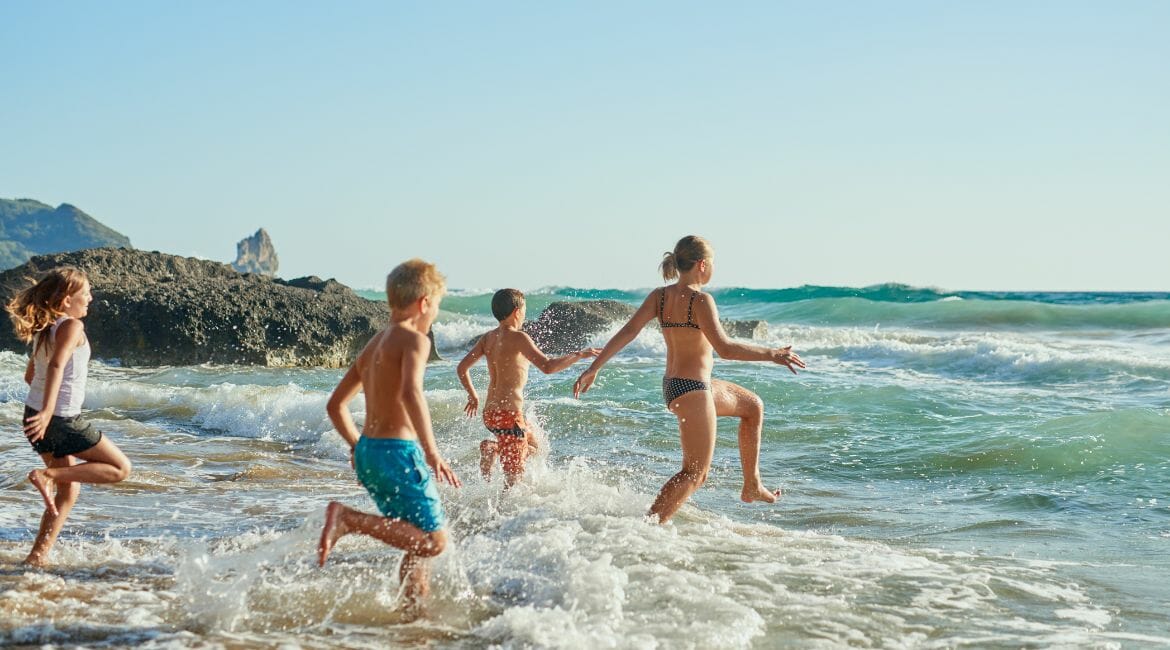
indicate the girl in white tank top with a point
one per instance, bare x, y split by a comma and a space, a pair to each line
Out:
71, 394
48, 315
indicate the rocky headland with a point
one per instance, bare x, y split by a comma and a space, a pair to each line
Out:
153, 309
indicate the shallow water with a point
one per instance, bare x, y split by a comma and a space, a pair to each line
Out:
953, 477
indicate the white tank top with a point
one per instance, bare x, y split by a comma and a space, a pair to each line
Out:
73, 376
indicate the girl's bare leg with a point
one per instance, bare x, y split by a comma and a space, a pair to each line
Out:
341, 521
696, 425
53, 519
734, 400
104, 463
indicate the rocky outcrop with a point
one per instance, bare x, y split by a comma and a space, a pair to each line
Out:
564, 327
29, 227
157, 309
256, 254
745, 329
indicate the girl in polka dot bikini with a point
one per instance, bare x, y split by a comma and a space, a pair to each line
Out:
687, 388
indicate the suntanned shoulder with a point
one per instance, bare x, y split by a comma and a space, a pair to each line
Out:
370, 348
408, 340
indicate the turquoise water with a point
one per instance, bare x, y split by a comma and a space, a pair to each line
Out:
960, 469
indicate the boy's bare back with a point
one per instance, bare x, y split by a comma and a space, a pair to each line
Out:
505, 350
391, 369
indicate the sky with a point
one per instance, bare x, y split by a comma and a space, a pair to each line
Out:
1000, 145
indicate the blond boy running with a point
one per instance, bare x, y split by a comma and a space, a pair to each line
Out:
396, 446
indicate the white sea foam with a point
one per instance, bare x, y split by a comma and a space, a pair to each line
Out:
456, 334
990, 355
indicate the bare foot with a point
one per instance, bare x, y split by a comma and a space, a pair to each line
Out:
332, 531
36, 560
759, 493
47, 487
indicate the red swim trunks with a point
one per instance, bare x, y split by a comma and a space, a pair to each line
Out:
511, 438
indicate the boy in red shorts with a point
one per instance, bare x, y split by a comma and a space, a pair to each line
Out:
509, 351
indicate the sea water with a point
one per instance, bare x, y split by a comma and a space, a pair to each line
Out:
959, 469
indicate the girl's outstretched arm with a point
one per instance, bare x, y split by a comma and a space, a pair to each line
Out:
707, 317
627, 333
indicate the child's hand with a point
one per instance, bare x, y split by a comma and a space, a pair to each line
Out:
786, 357
584, 382
472, 406
589, 353
443, 471
35, 426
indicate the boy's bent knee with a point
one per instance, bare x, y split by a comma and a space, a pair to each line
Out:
433, 544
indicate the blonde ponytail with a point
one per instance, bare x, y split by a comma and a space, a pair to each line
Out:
669, 266
688, 252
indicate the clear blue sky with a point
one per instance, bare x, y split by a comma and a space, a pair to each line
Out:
964, 145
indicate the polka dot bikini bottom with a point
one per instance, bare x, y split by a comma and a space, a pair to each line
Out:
675, 387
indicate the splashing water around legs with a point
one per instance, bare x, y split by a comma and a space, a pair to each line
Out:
419, 546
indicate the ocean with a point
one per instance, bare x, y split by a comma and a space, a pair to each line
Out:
960, 469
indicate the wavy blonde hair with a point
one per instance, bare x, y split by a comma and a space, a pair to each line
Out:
412, 280
688, 252
34, 308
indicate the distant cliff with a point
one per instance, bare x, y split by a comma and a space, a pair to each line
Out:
29, 227
256, 254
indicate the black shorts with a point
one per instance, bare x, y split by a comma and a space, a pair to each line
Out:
65, 436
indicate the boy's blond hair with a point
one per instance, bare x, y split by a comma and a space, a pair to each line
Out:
411, 280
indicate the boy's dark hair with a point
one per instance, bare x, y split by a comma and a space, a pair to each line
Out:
505, 302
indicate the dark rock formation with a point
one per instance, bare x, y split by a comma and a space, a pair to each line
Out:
256, 254
157, 309
565, 327
29, 227
745, 329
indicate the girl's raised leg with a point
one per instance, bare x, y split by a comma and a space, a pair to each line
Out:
104, 463
735, 400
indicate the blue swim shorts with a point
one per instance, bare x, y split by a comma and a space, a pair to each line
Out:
396, 475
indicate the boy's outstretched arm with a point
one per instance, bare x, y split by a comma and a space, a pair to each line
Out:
473, 355
549, 365
707, 316
414, 364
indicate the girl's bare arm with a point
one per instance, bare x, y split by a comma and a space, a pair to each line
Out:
621, 339
69, 336
707, 317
